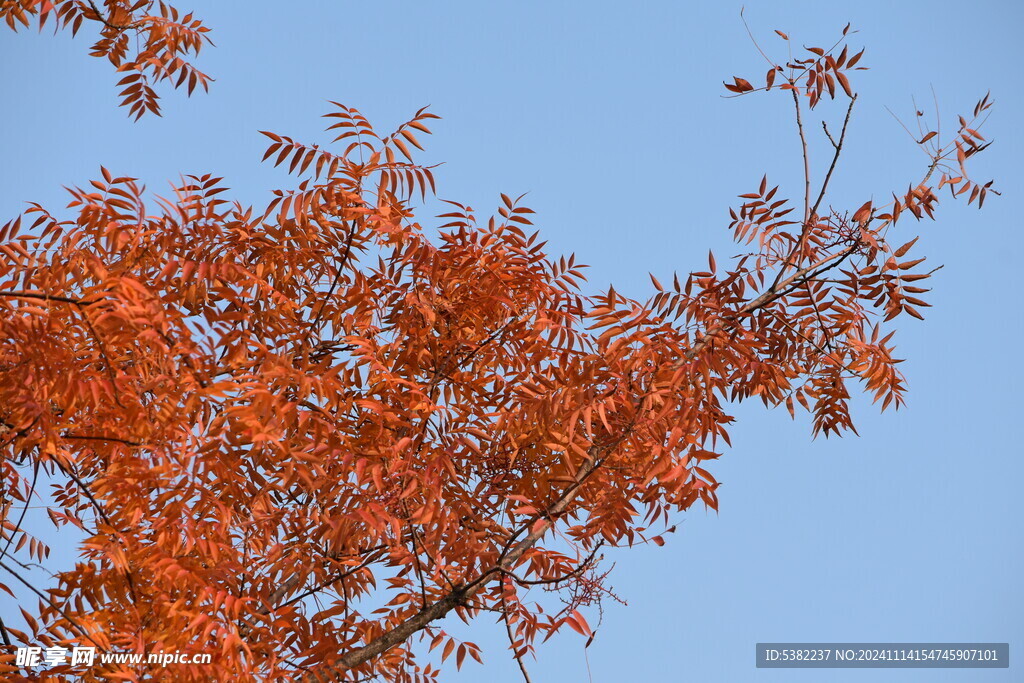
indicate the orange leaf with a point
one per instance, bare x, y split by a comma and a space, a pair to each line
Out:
862, 214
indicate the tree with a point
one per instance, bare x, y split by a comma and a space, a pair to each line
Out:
163, 40
300, 436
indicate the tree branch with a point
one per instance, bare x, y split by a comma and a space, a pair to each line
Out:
21, 518
512, 642
42, 596
3, 632
460, 595
835, 157
807, 160
541, 523
103, 20
773, 293
47, 297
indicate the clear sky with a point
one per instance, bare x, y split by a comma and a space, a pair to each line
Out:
610, 115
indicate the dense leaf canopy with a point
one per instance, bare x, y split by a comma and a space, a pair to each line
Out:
301, 435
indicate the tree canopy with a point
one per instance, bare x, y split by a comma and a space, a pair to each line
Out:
300, 435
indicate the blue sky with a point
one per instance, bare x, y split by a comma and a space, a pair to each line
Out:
610, 115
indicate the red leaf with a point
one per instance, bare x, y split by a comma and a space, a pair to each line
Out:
862, 214
742, 84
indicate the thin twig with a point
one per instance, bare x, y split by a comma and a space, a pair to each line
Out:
835, 157
3, 632
754, 40
21, 518
582, 567
807, 160
103, 515
44, 598
512, 641
332, 580
103, 20
334, 283
828, 135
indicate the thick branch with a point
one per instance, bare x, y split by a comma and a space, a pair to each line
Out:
47, 297
97, 437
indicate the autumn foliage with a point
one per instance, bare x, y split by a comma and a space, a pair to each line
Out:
148, 41
300, 435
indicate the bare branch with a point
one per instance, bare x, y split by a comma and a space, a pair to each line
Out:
835, 157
